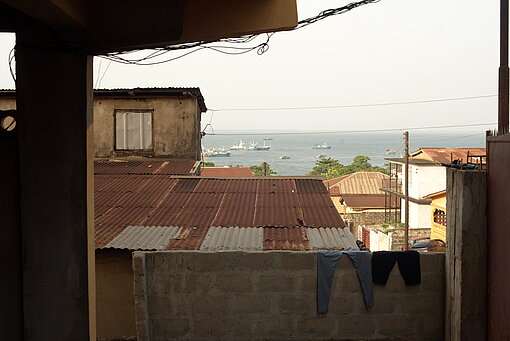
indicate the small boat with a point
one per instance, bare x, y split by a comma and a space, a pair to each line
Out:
389, 152
221, 152
284, 157
321, 146
268, 139
240, 146
320, 156
253, 147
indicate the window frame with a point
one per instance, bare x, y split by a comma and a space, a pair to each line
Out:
132, 111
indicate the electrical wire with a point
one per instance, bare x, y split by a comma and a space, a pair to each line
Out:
358, 131
261, 48
357, 105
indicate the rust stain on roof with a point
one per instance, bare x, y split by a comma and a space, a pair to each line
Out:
287, 238
447, 155
356, 183
196, 204
170, 167
226, 171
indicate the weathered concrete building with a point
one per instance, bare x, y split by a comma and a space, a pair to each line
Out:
154, 122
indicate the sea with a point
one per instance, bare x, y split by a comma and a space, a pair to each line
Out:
344, 147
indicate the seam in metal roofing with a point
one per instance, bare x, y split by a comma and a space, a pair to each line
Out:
233, 239
144, 238
331, 239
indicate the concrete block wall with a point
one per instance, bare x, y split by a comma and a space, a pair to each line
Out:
186, 295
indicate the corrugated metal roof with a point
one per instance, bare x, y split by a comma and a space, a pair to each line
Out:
233, 239
144, 238
283, 238
367, 200
161, 167
226, 171
331, 239
357, 183
196, 204
446, 155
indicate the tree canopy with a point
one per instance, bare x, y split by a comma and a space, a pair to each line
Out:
331, 168
259, 170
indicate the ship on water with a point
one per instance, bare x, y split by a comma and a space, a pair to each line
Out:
253, 147
240, 146
321, 146
220, 152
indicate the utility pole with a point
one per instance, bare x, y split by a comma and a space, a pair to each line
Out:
264, 168
503, 105
406, 190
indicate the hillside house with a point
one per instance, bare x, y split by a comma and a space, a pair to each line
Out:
148, 206
426, 175
144, 122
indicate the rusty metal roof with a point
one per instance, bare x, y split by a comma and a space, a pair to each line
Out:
357, 183
161, 167
447, 155
233, 239
144, 238
360, 201
196, 204
286, 238
226, 171
331, 239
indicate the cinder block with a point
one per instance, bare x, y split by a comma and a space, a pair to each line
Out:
384, 302
209, 304
163, 328
298, 304
199, 283
397, 326
426, 305
206, 261
234, 283
250, 304
210, 327
355, 326
270, 326
243, 329
138, 263
322, 325
309, 283
346, 304
297, 261
276, 283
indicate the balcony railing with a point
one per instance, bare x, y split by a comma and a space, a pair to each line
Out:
392, 185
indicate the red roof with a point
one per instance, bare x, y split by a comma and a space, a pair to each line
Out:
447, 155
161, 167
363, 201
226, 171
356, 183
197, 203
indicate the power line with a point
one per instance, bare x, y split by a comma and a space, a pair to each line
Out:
358, 131
358, 105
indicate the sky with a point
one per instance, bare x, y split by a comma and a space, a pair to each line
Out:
390, 51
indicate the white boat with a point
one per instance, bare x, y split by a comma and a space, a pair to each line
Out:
321, 146
320, 156
240, 146
284, 157
253, 146
389, 152
221, 152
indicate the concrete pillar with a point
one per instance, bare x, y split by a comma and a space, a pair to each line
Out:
11, 308
466, 255
54, 106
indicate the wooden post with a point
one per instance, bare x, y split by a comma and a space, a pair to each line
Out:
264, 168
406, 190
503, 71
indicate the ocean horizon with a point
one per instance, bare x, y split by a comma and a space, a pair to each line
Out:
344, 147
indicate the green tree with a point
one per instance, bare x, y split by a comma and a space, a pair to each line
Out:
323, 165
259, 170
207, 164
333, 169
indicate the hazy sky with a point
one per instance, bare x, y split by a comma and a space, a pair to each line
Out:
391, 51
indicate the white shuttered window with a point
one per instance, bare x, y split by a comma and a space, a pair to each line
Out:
133, 130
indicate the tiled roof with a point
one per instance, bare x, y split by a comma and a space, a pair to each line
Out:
366, 200
226, 171
446, 155
287, 205
357, 183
